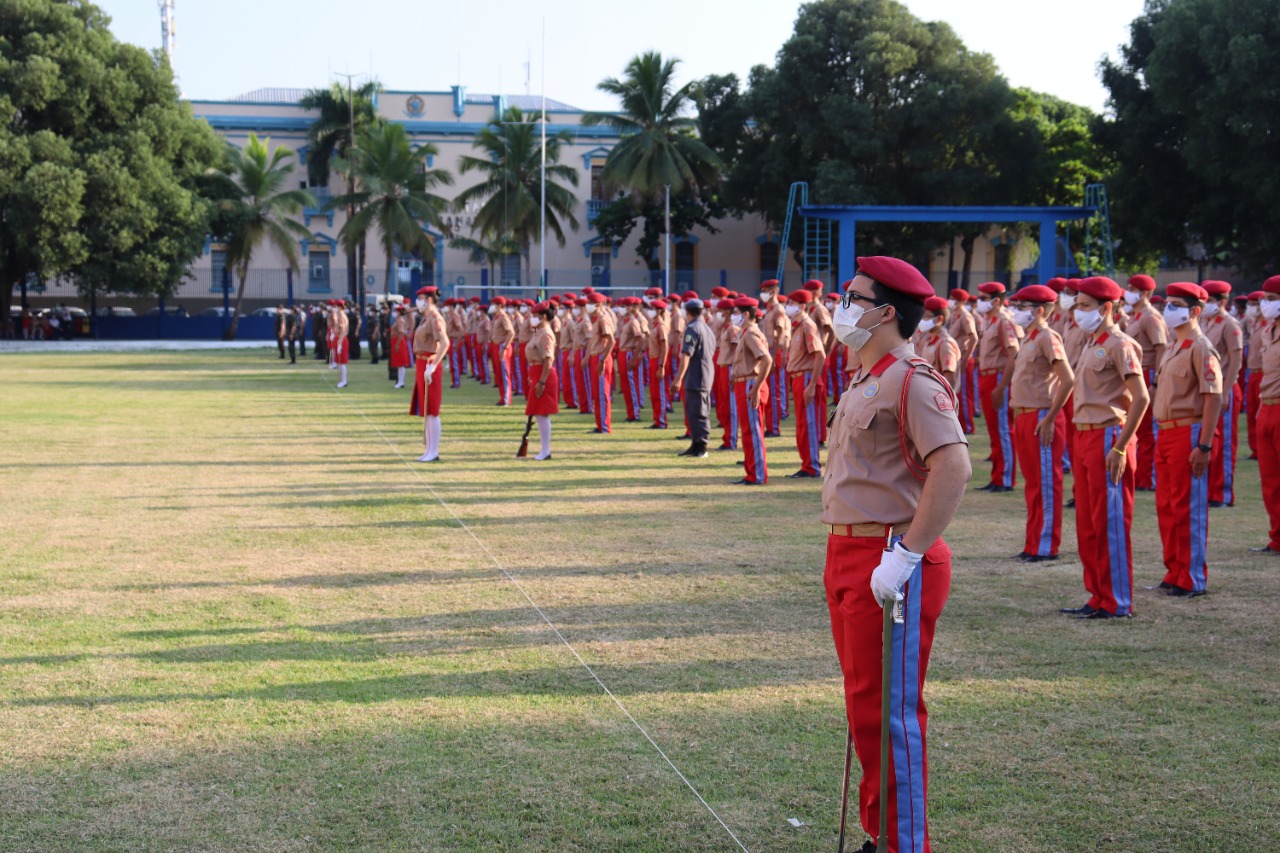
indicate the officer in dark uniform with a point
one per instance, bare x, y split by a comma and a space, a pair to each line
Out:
320, 328
281, 329
374, 333
288, 317
354, 323
696, 374
300, 329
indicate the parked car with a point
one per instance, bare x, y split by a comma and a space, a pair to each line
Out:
169, 311
269, 311
116, 311
217, 311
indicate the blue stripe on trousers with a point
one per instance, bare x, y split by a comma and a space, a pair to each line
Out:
733, 417
1228, 447
506, 379
811, 422
602, 394
1006, 437
1117, 535
1047, 497
1199, 522
757, 434
904, 719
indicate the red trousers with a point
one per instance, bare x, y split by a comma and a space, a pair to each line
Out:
1147, 441
658, 390
1253, 401
1042, 468
968, 391
426, 398
1070, 410
752, 419
996, 414
725, 408
630, 388
457, 361
601, 368
806, 425
564, 368
481, 362
777, 392
858, 631
1104, 519
1182, 508
1269, 467
582, 380
502, 378
1222, 462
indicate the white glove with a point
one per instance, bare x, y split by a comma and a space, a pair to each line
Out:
895, 568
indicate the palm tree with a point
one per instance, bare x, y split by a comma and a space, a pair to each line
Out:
659, 148
330, 138
394, 193
259, 210
511, 185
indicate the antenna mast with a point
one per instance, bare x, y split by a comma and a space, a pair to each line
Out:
168, 28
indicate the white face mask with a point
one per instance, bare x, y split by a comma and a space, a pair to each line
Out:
926, 326
422, 304
766, 295
577, 312
1251, 312
524, 309
1089, 320
591, 309
1210, 309
535, 322
793, 310
952, 303
1023, 317
847, 330
651, 313
1131, 297
1065, 301
1270, 309
984, 306
736, 319
1176, 315
618, 312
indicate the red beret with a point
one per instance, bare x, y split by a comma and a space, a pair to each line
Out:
1157, 300
830, 297
1257, 295
1272, 285
800, 296
660, 304
1142, 282
896, 275
936, 303
1072, 284
719, 292
542, 307
400, 307
1187, 290
769, 284
588, 290
1057, 283
782, 297
498, 300
580, 301
1101, 288
676, 298
1216, 288
426, 291
653, 291
689, 294
960, 295
596, 298
745, 302
991, 288
475, 299
724, 305
1035, 293
813, 285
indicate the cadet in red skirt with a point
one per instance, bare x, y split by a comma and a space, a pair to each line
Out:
400, 357
542, 393
430, 346
1268, 337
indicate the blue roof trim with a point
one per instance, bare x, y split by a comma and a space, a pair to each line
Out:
588, 245
300, 124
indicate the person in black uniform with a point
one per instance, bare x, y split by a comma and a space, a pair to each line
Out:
320, 328
300, 328
288, 318
696, 374
354, 323
374, 333
282, 329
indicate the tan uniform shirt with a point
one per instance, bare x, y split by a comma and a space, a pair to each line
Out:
999, 334
1252, 348
579, 331
675, 328
963, 330
456, 324
866, 480
776, 326
659, 337
541, 346
399, 328
1189, 372
729, 335
805, 343
524, 330
750, 352
822, 319
501, 329
1225, 334
1034, 383
1101, 394
639, 339
1073, 340
1147, 328
1268, 337
603, 329
431, 332
941, 350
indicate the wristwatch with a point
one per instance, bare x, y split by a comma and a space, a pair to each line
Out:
1204, 448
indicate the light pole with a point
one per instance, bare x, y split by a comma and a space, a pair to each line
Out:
666, 228
355, 275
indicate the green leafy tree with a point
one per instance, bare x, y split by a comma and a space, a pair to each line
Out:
659, 148
1196, 134
510, 185
393, 194
261, 211
100, 163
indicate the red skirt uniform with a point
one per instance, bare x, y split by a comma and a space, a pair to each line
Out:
546, 403
427, 394
400, 352
342, 350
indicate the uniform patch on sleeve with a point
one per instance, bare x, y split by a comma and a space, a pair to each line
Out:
943, 399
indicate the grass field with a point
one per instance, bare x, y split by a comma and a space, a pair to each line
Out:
234, 617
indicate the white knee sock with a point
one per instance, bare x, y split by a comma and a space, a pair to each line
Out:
400, 377
342, 374
544, 434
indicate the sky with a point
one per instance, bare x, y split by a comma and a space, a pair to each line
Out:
226, 47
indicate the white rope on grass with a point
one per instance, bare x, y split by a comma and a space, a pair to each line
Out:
417, 472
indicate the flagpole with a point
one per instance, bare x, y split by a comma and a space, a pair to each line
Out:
542, 244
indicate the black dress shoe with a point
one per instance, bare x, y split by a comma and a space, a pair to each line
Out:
772, 434
1216, 504
996, 490
1102, 614
741, 482
1265, 549
1179, 592
867, 847
1021, 556
726, 447
1082, 610
1071, 504
688, 451
656, 426
987, 488
597, 430
1161, 585
801, 475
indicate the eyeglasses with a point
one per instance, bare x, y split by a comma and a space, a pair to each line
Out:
850, 297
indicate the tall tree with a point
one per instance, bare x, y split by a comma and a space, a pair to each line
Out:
1196, 132
342, 114
393, 194
659, 149
101, 164
261, 211
510, 185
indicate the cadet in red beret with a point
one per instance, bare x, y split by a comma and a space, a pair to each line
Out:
1148, 329
1253, 323
934, 342
543, 392
777, 331
1227, 336
895, 476
580, 337
1187, 397
1268, 338
1111, 397
400, 357
676, 324
430, 346
830, 383
602, 335
1042, 382
963, 329
998, 344
804, 364
726, 345
750, 368
502, 336
656, 360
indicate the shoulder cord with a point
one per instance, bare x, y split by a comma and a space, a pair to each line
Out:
920, 472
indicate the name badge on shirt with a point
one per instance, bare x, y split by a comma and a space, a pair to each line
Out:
871, 390
1100, 352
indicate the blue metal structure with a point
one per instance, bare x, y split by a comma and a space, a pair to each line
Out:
817, 237
847, 218
797, 198
1095, 196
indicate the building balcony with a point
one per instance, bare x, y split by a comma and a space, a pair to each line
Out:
322, 196
594, 206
